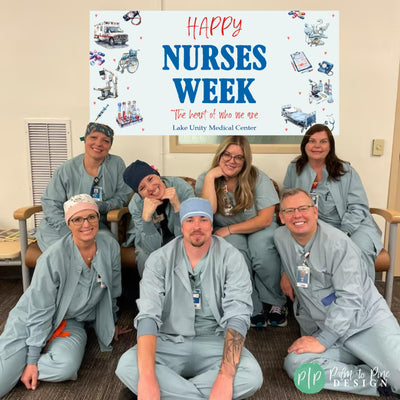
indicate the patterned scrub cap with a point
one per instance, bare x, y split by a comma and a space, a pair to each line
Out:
95, 127
78, 203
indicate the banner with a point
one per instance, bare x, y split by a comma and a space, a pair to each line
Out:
214, 72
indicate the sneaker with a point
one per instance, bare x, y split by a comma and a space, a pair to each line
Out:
277, 316
258, 321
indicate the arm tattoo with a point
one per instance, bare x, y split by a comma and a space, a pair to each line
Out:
232, 349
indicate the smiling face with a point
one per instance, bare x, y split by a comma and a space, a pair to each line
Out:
318, 146
86, 231
97, 145
151, 186
302, 225
229, 161
197, 231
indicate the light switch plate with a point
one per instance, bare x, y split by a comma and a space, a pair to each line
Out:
377, 147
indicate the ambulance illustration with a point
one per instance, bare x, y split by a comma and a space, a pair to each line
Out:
110, 32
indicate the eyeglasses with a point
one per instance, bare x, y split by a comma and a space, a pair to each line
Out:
301, 209
226, 156
322, 141
78, 221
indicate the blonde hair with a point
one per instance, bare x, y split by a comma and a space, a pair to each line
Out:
247, 177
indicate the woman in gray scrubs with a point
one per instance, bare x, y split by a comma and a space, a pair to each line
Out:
76, 281
243, 200
96, 172
337, 190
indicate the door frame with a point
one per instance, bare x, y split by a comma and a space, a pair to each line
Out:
394, 186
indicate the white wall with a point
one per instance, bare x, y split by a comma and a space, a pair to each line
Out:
45, 73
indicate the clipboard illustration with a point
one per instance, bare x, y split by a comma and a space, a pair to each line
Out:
300, 62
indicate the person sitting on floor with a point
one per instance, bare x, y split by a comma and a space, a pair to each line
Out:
194, 312
76, 281
154, 208
346, 326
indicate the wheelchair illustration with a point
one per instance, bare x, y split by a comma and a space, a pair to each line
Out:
128, 61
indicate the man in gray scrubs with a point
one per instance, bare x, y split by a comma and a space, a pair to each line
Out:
194, 313
346, 325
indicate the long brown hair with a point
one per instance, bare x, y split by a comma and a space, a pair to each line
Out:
334, 165
247, 177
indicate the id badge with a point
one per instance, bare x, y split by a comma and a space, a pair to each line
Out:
303, 276
197, 299
314, 197
102, 283
96, 192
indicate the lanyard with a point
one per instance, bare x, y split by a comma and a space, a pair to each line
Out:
306, 256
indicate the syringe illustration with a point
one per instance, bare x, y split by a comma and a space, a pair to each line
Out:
101, 113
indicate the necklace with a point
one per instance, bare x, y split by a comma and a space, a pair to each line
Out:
90, 258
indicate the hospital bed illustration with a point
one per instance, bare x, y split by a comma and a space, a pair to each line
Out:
298, 117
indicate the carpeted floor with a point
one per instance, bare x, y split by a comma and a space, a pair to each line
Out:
97, 379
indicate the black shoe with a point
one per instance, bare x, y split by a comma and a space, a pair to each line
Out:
126, 394
258, 321
384, 389
277, 316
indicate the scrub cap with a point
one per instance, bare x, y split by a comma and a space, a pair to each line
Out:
94, 127
138, 170
78, 203
196, 206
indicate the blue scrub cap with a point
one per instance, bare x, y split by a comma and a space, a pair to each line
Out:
196, 206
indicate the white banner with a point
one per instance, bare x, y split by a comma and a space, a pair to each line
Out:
214, 72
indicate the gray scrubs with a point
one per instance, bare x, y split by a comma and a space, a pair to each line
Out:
343, 204
342, 308
257, 248
62, 287
190, 341
71, 179
147, 235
